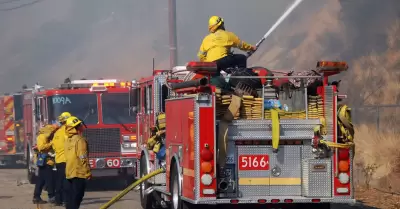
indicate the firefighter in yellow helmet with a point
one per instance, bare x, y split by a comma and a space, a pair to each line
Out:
58, 146
45, 164
217, 46
77, 169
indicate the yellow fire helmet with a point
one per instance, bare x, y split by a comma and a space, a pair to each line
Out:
214, 22
73, 121
64, 116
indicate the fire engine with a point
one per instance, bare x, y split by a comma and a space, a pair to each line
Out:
106, 107
11, 129
296, 155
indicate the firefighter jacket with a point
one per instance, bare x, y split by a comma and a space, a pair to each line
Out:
76, 155
218, 45
44, 142
155, 142
59, 144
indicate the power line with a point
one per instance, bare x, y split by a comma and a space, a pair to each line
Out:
19, 6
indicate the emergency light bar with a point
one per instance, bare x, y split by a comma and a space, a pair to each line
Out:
94, 81
331, 68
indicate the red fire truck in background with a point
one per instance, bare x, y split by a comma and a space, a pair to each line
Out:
107, 109
304, 170
11, 129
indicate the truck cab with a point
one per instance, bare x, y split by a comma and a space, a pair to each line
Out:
106, 108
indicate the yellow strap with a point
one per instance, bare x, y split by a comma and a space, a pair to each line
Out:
275, 128
338, 145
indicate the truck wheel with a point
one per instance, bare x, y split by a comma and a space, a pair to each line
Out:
31, 175
145, 200
176, 200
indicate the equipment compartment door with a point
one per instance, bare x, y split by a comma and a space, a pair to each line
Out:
254, 170
285, 169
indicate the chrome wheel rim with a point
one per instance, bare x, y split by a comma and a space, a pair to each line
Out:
175, 196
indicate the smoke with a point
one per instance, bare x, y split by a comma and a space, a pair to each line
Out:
47, 41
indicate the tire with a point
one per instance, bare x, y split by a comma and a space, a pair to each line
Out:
176, 201
31, 175
145, 200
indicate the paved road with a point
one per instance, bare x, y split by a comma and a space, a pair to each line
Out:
16, 193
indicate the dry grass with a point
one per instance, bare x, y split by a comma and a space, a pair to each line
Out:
378, 158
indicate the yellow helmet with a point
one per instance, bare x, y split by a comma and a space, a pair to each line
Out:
73, 121
64, 116
214, 22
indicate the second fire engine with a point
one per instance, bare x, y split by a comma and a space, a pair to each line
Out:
105, 107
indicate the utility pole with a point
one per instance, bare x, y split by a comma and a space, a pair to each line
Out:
173, 49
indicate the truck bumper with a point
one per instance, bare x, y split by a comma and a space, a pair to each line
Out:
272, 199
113, 167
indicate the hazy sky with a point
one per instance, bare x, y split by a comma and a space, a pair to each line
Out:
46, 41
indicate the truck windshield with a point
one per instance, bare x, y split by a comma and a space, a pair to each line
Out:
83, 106
117, 108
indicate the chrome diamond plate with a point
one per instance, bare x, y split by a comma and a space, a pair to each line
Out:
253, 190
288, 159
262, 129
329, 110
316, 183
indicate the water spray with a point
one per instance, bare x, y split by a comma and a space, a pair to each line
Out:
277, 23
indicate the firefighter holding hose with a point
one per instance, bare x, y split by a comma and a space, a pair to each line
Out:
217, 45
59, 146
77, 169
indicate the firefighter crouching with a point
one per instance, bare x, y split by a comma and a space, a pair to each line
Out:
59, 139
156, 141
45, 164
77, 169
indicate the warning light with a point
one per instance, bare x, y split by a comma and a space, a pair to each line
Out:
331, 68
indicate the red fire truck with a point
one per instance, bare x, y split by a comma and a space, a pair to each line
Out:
105, 106
304, 170
11, 129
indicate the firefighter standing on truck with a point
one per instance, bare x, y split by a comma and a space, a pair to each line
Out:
217, 45
45, 164
77, 169
59, 139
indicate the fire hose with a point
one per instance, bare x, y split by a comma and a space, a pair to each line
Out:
346, 130
131, 187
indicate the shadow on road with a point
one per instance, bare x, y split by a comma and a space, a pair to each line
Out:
106, 184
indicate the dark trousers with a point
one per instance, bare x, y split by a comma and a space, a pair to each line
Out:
232, 61
61, 184
77, 188
46, 177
